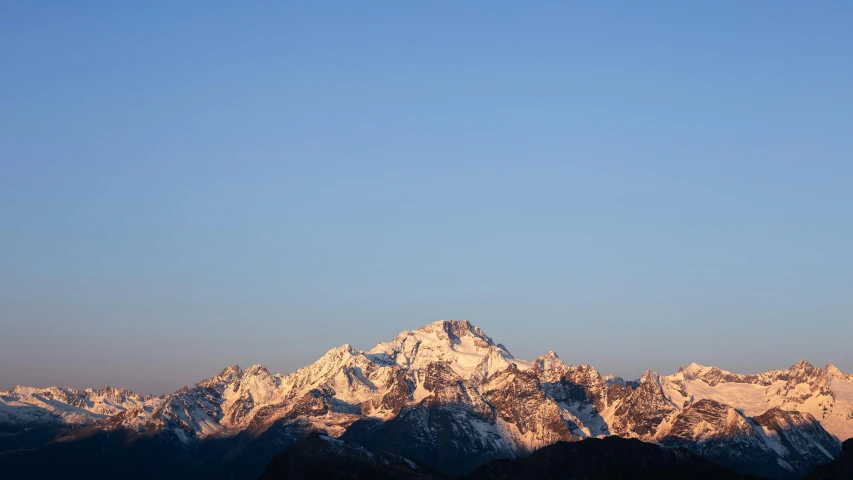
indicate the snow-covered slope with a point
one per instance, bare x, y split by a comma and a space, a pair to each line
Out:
826, 394
465, 348
53, 405
777, 444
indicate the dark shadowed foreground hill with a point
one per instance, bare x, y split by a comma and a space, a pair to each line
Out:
605, 458
320, 457
839, 469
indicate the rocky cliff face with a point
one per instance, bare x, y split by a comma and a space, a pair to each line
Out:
777, 444
721, 434
797, 438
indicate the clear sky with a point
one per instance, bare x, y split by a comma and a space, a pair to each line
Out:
188, 185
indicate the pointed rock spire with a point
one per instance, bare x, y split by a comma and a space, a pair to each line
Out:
549, 361
231, 371
650, 376
833, 371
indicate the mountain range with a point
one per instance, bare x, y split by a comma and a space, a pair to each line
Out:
444, 395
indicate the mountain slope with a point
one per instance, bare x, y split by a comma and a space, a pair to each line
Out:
27, 405
777, 444
839, 469
826, 394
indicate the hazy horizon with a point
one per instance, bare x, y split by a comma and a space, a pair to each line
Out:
183, 189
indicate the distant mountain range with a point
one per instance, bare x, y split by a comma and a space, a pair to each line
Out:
444, 395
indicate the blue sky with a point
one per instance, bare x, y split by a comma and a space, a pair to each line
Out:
187, 186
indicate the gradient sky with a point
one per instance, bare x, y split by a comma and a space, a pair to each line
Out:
188, 185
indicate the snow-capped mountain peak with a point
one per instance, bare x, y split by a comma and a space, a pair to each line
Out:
227, 376
833, 371
650, 376
454, 330
694, 369
465, 348
549, 361
231, 372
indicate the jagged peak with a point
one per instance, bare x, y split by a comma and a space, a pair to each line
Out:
231, 371
469, 351
226, 376
257, 369
650, 376
25, 390
833, 371
333, 357
442, 324
108, 390
802, 365
453, 330
549, 361
342, 350
693, 368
